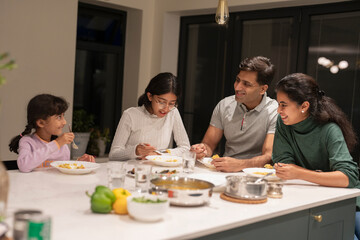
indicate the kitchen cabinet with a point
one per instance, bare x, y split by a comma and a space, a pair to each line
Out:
331, 221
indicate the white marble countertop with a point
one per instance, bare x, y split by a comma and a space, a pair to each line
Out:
63, 197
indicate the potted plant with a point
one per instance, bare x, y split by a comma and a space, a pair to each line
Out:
83, 124
98, 141
103, 140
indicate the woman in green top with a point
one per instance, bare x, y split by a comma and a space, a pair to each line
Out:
313, 137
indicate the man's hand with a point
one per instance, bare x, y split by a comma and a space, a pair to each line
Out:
200, 150
228, 164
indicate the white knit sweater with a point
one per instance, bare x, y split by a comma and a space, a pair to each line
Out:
137, 126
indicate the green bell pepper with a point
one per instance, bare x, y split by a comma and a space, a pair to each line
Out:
102, 200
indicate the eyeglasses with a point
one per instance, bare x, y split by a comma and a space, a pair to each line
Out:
163, 104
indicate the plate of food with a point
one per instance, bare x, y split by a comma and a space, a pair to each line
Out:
166, 173
260, 172
165, 160
75, 167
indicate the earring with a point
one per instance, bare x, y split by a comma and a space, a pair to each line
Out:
302, 111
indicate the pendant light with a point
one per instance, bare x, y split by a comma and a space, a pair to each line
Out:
222, 12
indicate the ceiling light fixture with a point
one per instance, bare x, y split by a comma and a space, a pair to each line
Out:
323, 61
222, 12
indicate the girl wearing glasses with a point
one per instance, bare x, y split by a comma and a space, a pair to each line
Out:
153, 124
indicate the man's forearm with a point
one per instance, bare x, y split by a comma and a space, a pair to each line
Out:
258, 161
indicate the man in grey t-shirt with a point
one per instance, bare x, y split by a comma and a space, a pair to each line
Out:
246, 119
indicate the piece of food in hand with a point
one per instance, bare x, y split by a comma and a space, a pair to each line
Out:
120, 205
215, 156
268, 166
102, 200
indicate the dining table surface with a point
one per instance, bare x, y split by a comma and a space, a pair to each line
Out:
63, 197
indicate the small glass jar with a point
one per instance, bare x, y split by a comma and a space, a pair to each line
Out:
275, 189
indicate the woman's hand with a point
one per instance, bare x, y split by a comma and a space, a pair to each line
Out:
288, 171
86, 158
200, 150
65, 138
144, 149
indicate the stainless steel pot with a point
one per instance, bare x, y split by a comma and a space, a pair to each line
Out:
183, 191
244, 187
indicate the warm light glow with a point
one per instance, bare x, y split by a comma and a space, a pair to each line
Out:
343, 64
334, 69
222, 12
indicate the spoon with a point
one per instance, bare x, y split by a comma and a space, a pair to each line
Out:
74, 146
161, 152
260, 179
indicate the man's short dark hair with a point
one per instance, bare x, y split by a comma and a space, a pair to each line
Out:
262, 65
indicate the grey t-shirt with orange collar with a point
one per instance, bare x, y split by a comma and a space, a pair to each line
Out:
244, 130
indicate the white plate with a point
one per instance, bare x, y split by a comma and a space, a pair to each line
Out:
165, 160
254, 172
215, 179
207, 162
89, 167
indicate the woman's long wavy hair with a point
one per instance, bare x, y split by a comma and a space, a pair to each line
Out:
300, 88
40, 107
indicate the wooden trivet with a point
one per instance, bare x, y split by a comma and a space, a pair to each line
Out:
238, 200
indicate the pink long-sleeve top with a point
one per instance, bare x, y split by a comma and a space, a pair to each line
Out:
37, 153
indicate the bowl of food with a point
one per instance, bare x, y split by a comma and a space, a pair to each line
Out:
75, 167
183, 191
147, 208
261, 172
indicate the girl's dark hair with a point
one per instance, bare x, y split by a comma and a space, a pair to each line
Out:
300, 88
262, 65
40, 107
160, 84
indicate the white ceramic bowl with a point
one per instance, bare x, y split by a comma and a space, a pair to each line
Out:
147, 212
87, 167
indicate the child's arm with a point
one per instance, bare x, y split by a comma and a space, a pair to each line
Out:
32, 154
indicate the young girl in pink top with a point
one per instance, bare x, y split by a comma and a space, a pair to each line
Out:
45, 114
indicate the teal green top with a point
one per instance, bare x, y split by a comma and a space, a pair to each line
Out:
315, 146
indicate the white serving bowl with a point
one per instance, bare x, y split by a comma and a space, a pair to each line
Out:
147, 212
